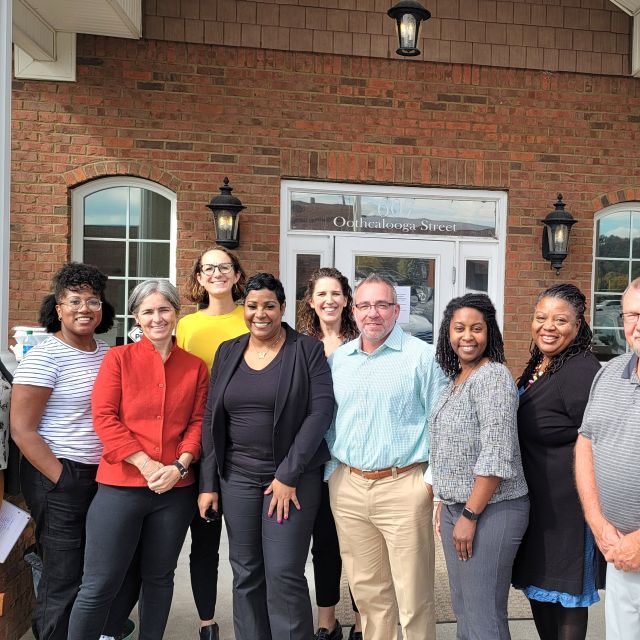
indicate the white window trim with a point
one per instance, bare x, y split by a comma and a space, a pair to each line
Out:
77, 220
5, 172
621, 207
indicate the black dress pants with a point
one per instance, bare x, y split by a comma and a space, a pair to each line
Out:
203, 569
204, 560
60, 512
325, 551
120, 519
270, 591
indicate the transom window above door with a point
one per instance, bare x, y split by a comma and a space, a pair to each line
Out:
433, 244
127, 228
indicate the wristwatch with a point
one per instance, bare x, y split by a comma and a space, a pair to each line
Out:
181, 468
470, 515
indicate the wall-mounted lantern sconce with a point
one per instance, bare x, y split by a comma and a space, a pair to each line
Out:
555, 235
226, 209
408, 15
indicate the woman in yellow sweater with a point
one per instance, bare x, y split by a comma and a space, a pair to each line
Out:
215, 284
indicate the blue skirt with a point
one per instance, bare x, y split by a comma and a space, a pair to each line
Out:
589, 593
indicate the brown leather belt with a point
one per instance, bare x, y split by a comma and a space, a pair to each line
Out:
382, 473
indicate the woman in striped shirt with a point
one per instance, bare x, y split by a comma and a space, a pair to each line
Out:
51, 424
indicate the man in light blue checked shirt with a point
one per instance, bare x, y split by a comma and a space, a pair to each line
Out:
385, 383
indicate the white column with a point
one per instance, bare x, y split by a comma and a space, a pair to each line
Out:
5, 168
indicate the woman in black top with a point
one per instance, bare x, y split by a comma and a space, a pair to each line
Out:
270, 403
326, 313
558, 564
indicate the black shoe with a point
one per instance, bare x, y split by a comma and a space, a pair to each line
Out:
355, 635
325, 634
210, 632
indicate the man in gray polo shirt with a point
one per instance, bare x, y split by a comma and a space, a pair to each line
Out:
608, 474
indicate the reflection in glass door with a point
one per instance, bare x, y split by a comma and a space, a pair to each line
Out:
421, 271
414, 280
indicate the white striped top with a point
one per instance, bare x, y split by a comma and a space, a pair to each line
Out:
66, 424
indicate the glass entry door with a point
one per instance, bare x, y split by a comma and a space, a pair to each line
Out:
422, 271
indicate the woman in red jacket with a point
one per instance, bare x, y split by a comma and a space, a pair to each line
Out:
147, 402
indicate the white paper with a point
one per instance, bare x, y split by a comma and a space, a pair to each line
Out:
404, 300
12, 523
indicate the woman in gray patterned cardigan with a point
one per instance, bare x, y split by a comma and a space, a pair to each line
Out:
477, 470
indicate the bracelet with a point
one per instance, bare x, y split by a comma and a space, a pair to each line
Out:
146, 462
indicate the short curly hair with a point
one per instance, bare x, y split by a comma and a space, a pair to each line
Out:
198, 294
75, 276
260, 281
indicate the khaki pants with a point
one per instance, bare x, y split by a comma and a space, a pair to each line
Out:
386, 543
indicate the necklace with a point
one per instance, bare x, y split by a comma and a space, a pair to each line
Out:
263, 354
537, 372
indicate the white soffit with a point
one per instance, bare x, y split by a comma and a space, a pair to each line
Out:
115, 18
629, 6
632, 7
61, 68
44, 32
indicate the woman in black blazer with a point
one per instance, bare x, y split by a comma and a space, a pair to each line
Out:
270, 403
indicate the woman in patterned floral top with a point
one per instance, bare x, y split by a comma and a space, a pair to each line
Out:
477, 472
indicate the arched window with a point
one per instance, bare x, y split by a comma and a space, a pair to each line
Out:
616, 263
127, 228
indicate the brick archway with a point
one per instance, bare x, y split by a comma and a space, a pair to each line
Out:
631, 194
107, 168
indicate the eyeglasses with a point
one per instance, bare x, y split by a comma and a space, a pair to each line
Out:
378, 306
75, 304
630, 317
210, 269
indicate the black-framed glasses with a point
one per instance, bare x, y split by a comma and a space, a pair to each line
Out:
75, 304
630, 317
378, 306
210, 269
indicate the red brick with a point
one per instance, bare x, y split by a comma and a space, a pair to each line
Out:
317, 117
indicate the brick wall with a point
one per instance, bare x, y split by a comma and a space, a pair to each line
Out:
587, 36
16, 584
186, 115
